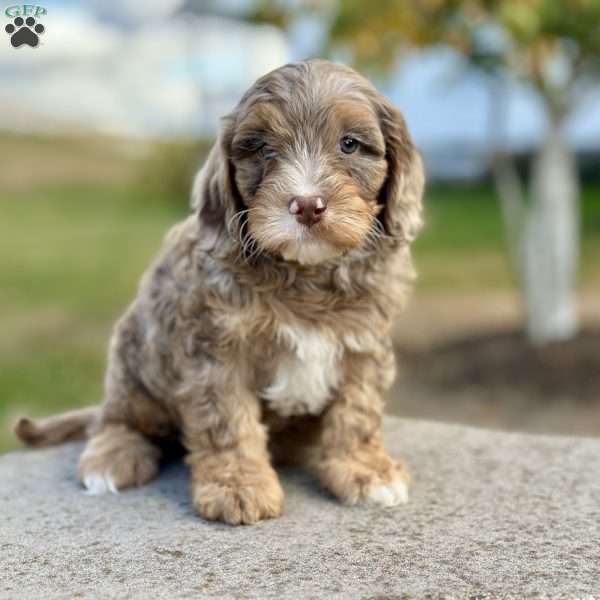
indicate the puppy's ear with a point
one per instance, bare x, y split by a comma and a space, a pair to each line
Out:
214, 194
402, 192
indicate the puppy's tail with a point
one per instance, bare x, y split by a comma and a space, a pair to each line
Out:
72, 425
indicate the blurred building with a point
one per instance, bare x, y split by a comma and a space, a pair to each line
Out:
165, 69
118, 72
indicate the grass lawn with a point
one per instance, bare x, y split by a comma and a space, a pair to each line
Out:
71, 257
70, 261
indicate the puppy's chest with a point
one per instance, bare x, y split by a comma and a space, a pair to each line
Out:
307, 370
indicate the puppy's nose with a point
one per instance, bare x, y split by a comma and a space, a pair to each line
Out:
307, 209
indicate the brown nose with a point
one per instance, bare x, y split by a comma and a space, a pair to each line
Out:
307, 209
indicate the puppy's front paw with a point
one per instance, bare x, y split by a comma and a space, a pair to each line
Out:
238, 497
384, 483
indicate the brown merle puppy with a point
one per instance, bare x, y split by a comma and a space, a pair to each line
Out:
263, 327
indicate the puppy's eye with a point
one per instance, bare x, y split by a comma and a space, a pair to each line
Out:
266, 152
348, 145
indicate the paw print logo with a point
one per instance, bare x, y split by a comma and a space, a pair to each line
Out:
24, 32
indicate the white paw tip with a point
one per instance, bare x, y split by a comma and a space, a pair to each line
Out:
98, 484
390, 494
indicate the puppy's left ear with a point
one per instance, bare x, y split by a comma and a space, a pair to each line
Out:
402, 193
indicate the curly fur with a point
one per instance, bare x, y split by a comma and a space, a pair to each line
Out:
252, 337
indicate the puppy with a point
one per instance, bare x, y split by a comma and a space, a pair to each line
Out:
262, 331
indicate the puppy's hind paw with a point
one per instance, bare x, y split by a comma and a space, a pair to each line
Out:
389, 494
117, 458
97, 484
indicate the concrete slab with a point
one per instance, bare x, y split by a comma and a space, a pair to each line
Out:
492, 515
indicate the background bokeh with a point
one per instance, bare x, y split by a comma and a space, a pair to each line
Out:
103, 124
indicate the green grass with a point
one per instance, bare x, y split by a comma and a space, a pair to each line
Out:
64, 247
71, 258
70, 262
463, 244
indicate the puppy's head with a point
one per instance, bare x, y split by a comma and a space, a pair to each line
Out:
314, 162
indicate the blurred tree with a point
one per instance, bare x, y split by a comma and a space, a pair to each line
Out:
554, 46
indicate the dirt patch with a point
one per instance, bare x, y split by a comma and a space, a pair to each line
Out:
498, 380
506, 362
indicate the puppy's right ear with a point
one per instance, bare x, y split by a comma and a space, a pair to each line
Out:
214, 194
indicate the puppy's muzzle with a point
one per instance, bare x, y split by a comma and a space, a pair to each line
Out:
308, 210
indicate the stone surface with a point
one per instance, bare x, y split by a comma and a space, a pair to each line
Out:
492, 515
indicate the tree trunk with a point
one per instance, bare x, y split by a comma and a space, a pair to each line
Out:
550, 244
509, 188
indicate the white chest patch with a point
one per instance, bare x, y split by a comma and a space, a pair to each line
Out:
307, 373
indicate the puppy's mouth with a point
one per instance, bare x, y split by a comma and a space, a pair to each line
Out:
307, 244
310, 248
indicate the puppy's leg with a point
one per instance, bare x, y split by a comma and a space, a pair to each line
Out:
117, 457
352, 462
119, 453
232, 477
